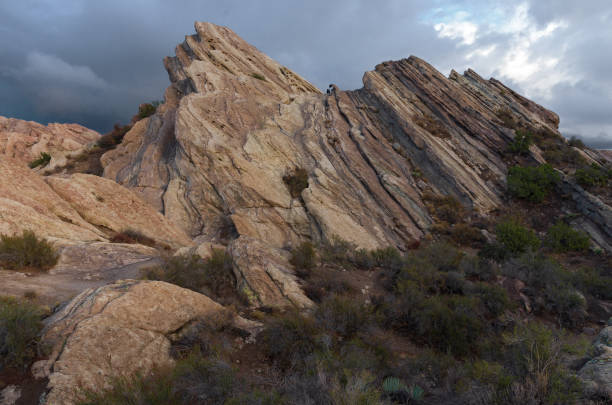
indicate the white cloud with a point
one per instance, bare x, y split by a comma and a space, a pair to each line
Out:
458, 28
50, 68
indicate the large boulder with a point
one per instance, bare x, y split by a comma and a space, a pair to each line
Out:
118, 330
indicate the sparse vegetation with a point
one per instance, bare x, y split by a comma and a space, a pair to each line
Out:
593, 176
132, 236
532, 183
20, 323
516, 238
506, 117
303, 257
297, 182
562, 238
576, 142
432, 125
147, 109
26, 251
42, 161
523, 139
212, 276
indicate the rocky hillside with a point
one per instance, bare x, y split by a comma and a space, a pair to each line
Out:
422, 211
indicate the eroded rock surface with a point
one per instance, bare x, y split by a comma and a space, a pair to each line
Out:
24, 141
235, 123
119, 329
597, 372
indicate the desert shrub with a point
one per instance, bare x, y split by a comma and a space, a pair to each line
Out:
522, 141
516, 238
342, 315
338, 251
567, 303
26, 251
296, 182
445, 208
147, 109
200, 379
590, 281
593, 176
42, 161
290, 340
563, 238
532, 183
190, 271
388, 257
576, 142
132, 236
20, 324
532, 353
467, 235
303, 257
114, 137
563, 155
479, 268
495, 252
449, 324
494, 298
318, 288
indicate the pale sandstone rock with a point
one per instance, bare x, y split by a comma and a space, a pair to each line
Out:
106, 204
264, 275
117, 330
25, 140
204, 250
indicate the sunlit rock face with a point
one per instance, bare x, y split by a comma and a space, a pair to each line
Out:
24, 141
235, 123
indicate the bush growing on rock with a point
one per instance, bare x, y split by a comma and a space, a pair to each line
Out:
296, 182
522, 141
26, 251
42, 161
593, 176
303, 257
532, 183
20, 324
132, 236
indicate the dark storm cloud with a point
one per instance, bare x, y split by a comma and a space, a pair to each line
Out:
94, 62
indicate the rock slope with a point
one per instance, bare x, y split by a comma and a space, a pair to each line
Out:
235, 123
24, 141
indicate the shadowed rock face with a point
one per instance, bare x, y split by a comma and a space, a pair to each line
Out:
213, 158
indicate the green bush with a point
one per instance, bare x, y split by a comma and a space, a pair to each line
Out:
593, 176
338, 251
516, 238
147, 109
562, 238
521, 143
532, 183
494, 298
258, 76
20, 324
445, 207
576, 142
297, 182
213, 274
26, 252
303, 257
388, 257
42, 161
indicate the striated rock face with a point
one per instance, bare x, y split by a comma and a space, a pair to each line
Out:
117, 330
213, 158
25, 140
78, 208
597, 372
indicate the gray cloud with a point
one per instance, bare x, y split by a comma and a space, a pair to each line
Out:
94, 62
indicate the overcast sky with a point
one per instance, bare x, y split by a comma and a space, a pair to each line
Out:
93, 62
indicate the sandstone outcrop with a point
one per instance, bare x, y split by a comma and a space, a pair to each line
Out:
235, 124
117, 330
24, 141
77, 208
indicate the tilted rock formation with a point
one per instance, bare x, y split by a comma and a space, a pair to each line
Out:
120, 329
78, 208
597, 372
24, 141
235, 123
